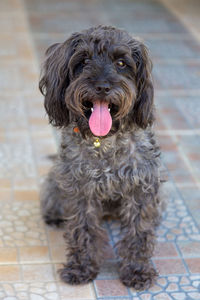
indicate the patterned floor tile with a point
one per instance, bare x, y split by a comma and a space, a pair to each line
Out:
68, 292
189, 248
175, 287
24, 291
193, 264
38, 272
110, 288
34, 254
165, 250
10, 273
12, 165
170, 266
21, 224
8, 255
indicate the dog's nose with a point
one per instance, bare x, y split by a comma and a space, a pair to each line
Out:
102, 87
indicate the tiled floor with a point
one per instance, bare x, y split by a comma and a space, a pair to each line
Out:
30, 253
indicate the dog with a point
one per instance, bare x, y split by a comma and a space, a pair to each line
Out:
98, 89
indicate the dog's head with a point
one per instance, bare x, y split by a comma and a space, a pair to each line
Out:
99, 78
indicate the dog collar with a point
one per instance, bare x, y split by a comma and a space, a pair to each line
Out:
96, 143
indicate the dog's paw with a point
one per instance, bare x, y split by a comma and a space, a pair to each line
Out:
138, 277
78, 274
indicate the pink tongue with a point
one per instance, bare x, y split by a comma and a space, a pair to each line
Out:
100, 121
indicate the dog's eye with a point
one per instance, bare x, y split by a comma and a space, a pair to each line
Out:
86, 61
121, 63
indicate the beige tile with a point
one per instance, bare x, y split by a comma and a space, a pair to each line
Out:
26, 195
38, 121
8, 46
70, 292
58, 253
10, 273
5, 183
57, 267
56, 237
35, 253
8, 255
25, 184
5, 195
23, 49
43, 170
38, 272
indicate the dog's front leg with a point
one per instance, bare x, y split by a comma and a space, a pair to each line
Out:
85, 244
139, 216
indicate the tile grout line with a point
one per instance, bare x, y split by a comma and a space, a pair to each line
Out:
60, 262
181, 257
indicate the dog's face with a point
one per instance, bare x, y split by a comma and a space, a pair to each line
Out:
99, 78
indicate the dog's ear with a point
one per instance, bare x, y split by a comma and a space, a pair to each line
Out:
55, 79
143, 110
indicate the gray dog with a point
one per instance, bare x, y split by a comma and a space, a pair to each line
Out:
98, 89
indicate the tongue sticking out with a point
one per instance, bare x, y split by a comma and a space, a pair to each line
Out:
100, 121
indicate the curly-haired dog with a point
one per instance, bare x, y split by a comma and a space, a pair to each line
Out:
98, 89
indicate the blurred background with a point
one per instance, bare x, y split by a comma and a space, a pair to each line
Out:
31, 253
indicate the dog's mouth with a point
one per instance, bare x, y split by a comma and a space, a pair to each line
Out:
100, 115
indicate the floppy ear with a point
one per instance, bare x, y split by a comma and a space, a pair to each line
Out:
55, 79
143, 110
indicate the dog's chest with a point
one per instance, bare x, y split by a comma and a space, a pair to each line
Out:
106, 165
116, 167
